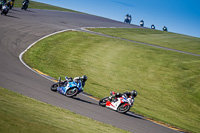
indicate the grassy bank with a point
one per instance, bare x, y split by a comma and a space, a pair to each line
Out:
156, 37
37, 5
167, 82
20, 114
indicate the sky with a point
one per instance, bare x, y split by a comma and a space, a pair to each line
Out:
179, 16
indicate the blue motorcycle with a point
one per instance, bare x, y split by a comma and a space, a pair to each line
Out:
70, 87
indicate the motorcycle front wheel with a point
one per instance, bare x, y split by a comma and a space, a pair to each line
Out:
123, 109
103, 101
26, 7
72, 92
54, 87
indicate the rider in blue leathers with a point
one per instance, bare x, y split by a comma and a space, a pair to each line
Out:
83, 80
69, 79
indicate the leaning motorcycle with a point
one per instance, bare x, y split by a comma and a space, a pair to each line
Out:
24, 5
4, 9
68, 87
142, 23
121, 104
164, 28
152, 26
127, 19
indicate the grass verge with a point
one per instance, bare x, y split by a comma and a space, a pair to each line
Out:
156, 37
20, 114
167, 82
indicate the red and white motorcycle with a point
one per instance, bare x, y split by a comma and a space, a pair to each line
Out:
121, 104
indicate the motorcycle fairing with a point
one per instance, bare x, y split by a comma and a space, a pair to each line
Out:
71, 85
114, 105
63, 89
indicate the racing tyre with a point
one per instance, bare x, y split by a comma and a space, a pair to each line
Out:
72, 92
54, 87
26, 7
103, 101
123, 108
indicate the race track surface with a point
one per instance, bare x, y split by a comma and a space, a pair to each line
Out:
20, 28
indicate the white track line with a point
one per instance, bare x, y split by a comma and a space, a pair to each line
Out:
22, 61
21, 55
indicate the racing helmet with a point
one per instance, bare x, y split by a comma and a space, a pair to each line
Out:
133, 93
84, 78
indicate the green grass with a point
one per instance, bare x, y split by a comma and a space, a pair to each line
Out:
38, 5
167, 82
20, 114
156, 37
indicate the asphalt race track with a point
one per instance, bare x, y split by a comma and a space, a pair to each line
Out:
20, 28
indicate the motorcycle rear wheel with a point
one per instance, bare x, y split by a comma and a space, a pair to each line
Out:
123, 109
72, 92
54, 87
103, 101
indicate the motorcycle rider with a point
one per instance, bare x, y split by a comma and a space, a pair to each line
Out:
76, 79
10, 3
153, 26
4, 9
65, 82
127, 15
126, 94
142, 23
83, 79
164, 28
128, 18
26, 1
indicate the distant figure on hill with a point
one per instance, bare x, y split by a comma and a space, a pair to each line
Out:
153, 26
164, 28
128, 19
142, 23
